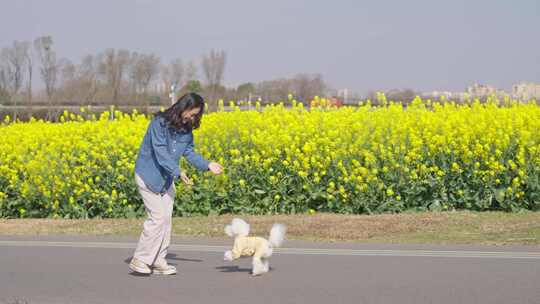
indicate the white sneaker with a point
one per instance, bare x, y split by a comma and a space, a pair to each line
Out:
139, 266
164, 268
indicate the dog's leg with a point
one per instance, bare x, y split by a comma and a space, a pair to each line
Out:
265, 265
228, 256
258, 267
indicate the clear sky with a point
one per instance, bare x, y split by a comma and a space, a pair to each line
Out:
361, 45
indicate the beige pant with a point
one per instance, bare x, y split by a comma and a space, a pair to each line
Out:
156, 236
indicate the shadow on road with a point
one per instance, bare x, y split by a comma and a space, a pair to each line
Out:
171, 256
136, 274
232, 269
174, 257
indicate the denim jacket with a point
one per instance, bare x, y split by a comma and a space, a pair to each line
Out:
161, 149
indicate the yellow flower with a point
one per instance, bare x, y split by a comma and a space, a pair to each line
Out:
299, 148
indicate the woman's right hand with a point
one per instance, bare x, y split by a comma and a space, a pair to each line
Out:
215, 168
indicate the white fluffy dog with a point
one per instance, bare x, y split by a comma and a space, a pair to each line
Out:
257, 247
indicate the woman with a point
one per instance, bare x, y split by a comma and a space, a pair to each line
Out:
169, 137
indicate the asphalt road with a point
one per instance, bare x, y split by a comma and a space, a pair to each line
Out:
95, 270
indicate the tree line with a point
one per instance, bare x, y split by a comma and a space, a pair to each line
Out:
122, 77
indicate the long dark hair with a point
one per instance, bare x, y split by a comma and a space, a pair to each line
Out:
173, 115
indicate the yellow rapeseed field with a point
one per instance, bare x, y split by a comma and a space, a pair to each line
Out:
391, 158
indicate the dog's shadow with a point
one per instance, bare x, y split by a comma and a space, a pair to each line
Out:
236, 269
233, 269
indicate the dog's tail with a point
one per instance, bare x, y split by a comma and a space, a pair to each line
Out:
238, 227
277, 235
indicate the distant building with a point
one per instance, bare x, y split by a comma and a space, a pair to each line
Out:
481, 90
526, 91
437, 95
343, 95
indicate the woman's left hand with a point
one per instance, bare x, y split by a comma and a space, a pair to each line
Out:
215, 168
186, 179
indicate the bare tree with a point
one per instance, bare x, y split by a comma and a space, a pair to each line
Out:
113, 68
5, 74
303, 86
192, 84
68, 83
15, 68
144, 68
213, 65
307, 86
87, 75
244, 91
4, 79
191, 71
317, 85
49, 67
16, 56
404, 96
274, 90
67, 69
173, 74
29, 66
